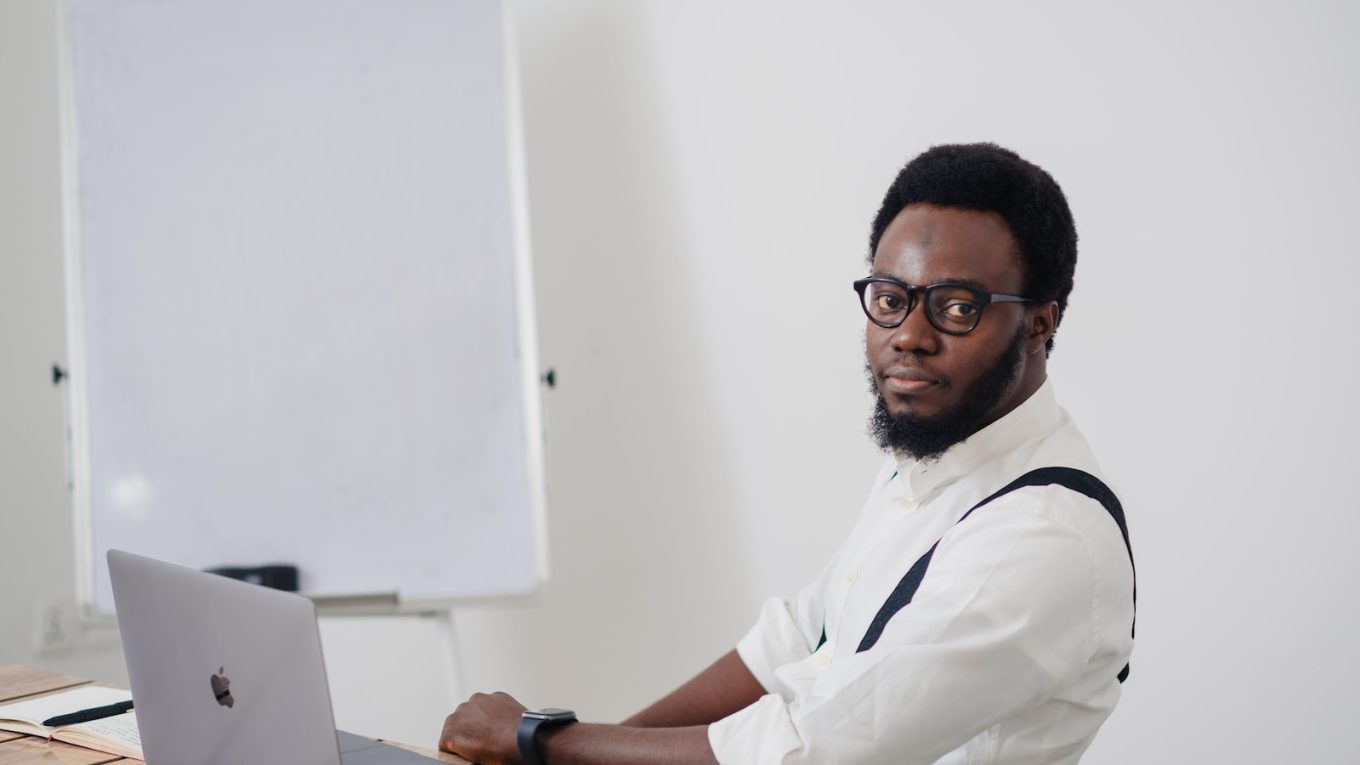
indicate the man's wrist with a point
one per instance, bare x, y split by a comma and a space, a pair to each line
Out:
532, 723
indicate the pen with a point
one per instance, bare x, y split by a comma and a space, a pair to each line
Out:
86, 715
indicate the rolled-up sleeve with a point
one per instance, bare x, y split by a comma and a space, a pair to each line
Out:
1004, 616
774, 641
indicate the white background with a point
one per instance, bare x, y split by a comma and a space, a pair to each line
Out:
702, 176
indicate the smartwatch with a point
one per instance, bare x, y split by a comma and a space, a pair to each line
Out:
530, 722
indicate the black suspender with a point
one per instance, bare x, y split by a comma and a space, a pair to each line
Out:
1069, 478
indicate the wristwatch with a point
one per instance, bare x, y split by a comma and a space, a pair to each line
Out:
530, 722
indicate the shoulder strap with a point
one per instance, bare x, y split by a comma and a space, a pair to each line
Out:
1069, 478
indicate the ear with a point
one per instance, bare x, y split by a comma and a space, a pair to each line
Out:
1043, 322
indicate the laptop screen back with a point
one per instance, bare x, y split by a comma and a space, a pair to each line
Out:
221, 671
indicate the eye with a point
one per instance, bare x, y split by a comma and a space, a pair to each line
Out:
889, 302
960, 309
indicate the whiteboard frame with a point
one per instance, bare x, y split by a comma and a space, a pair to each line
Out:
527, 342
535, 435
76, 388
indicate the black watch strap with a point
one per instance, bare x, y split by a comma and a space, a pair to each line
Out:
526, 736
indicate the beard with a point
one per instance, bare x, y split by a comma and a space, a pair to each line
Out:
928, 438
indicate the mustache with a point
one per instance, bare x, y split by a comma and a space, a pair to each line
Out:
904, 366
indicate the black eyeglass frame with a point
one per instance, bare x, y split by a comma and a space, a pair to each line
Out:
984, 299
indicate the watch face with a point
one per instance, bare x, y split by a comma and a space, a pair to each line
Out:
551, 714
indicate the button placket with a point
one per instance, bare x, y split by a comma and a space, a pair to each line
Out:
892, 514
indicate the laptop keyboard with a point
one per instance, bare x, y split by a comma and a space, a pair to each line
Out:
357, 750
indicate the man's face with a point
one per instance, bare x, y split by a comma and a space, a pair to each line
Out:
937, 389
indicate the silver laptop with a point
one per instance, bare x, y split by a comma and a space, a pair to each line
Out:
228, 672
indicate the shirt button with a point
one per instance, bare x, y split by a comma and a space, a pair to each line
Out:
904, 503
824, 657
850, 576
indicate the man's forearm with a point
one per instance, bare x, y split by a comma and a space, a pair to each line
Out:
673, 730
484, 729
590, 744
727, 686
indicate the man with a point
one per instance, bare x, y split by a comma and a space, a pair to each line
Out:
947, 628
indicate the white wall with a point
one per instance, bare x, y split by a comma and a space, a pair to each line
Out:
36, 564
702, 176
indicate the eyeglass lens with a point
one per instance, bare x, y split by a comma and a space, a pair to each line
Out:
950, 308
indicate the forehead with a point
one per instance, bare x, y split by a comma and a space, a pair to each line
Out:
925, 244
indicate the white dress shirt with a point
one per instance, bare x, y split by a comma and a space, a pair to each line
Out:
1010, 649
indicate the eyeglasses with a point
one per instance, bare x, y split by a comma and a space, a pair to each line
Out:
952, 308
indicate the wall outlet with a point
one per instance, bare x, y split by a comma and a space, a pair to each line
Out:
64, 626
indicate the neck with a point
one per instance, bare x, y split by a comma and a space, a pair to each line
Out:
1031, 378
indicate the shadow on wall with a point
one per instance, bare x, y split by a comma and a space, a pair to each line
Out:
648, 583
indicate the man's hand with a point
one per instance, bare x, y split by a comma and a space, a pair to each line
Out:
482, 729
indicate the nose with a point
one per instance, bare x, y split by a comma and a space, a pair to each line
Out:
916, 334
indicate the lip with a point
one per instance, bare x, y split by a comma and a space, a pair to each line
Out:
907, 380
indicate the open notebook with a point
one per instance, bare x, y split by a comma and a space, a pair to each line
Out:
116, 735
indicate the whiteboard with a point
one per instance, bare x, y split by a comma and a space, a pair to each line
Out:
299, 294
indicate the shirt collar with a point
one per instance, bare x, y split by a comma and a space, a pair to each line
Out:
1036, 416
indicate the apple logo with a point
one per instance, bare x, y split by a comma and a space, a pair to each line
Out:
221, 688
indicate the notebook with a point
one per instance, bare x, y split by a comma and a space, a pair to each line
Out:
116, 734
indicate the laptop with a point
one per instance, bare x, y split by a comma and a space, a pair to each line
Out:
228, 672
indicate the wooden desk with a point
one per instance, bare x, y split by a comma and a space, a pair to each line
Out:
18, 749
